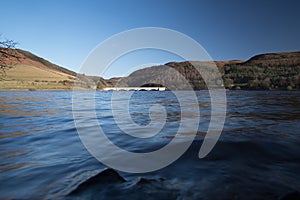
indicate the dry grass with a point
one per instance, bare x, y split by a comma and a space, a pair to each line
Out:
31, 77
32, 73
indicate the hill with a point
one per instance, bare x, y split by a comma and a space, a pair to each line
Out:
261, 72
32, 72
265, 71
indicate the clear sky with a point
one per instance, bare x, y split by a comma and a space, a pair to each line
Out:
65, 31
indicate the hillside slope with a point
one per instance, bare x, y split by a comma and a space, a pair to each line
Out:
38, 61
265, 71
34, 73
261, 72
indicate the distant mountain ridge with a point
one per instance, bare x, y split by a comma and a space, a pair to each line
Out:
284, 56
264, 72
260, 72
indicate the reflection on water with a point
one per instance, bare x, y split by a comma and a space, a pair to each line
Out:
257, 156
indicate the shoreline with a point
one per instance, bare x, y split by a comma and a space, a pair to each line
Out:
57, 90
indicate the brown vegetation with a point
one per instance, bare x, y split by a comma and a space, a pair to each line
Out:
26, 71
261, 72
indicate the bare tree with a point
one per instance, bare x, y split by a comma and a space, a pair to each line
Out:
8, 56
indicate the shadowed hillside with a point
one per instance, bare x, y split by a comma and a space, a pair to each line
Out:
265, 71
261, 72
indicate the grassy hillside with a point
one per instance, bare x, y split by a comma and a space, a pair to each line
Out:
46, 63
35, 73
32, 77
261, 72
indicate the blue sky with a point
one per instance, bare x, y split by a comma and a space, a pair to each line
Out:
64, 32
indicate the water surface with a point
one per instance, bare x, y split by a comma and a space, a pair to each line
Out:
257, 156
